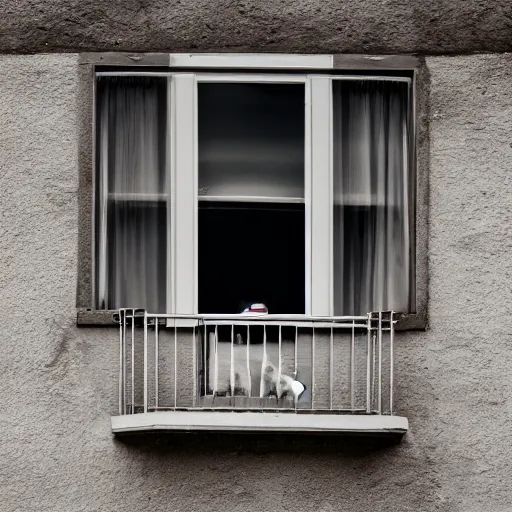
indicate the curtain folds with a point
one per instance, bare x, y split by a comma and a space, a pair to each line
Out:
371, 197
132, 193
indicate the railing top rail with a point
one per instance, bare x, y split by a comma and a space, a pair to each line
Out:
259, 318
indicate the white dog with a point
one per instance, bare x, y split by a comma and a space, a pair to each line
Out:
283, 385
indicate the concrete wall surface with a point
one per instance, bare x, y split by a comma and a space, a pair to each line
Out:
311, 26
58, 383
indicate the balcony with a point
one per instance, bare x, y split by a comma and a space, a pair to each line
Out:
263, 373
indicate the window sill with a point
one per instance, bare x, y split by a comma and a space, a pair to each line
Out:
411, 322
95, 318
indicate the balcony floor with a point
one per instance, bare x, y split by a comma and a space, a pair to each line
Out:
201, 421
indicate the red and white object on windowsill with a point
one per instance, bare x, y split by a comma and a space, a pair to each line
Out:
256, 309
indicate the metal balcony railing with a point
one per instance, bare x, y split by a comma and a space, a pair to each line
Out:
277, 363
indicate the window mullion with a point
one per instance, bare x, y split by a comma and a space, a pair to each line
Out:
185, 196
321, 197
170, 193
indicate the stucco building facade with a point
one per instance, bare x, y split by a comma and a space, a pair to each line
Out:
58, 380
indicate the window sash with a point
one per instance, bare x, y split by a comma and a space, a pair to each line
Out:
184, 304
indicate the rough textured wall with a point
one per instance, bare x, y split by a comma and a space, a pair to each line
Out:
59, 383
467, 350
331, 26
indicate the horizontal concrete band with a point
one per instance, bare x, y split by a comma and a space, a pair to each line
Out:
328, 26
189, 421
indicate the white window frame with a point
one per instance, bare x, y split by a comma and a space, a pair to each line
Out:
182, 262
203, 77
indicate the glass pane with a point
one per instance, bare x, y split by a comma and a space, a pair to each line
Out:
372, 207
137, 256
251, 253
131, 192
251, 139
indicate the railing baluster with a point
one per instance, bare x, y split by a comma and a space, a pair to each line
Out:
175, 366
313, 369
249, 361
125, 363
156, 362
145, 362
391, 361
379, 394
216, 361
263, 362
278, 387
374, 373
206, 373
196, 388
133, 362
368, 362
352, 366
331, 367
295, 359
295, 348
232, 365
121, 365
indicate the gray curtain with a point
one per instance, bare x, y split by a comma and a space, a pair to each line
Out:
132, 193
372, 262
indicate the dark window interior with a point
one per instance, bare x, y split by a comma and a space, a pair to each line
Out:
251, 253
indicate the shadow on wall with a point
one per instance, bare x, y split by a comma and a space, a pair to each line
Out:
200, 443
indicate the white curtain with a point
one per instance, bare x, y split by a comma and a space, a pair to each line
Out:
372, 261
132, 194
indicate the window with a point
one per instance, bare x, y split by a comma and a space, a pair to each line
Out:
215, 190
